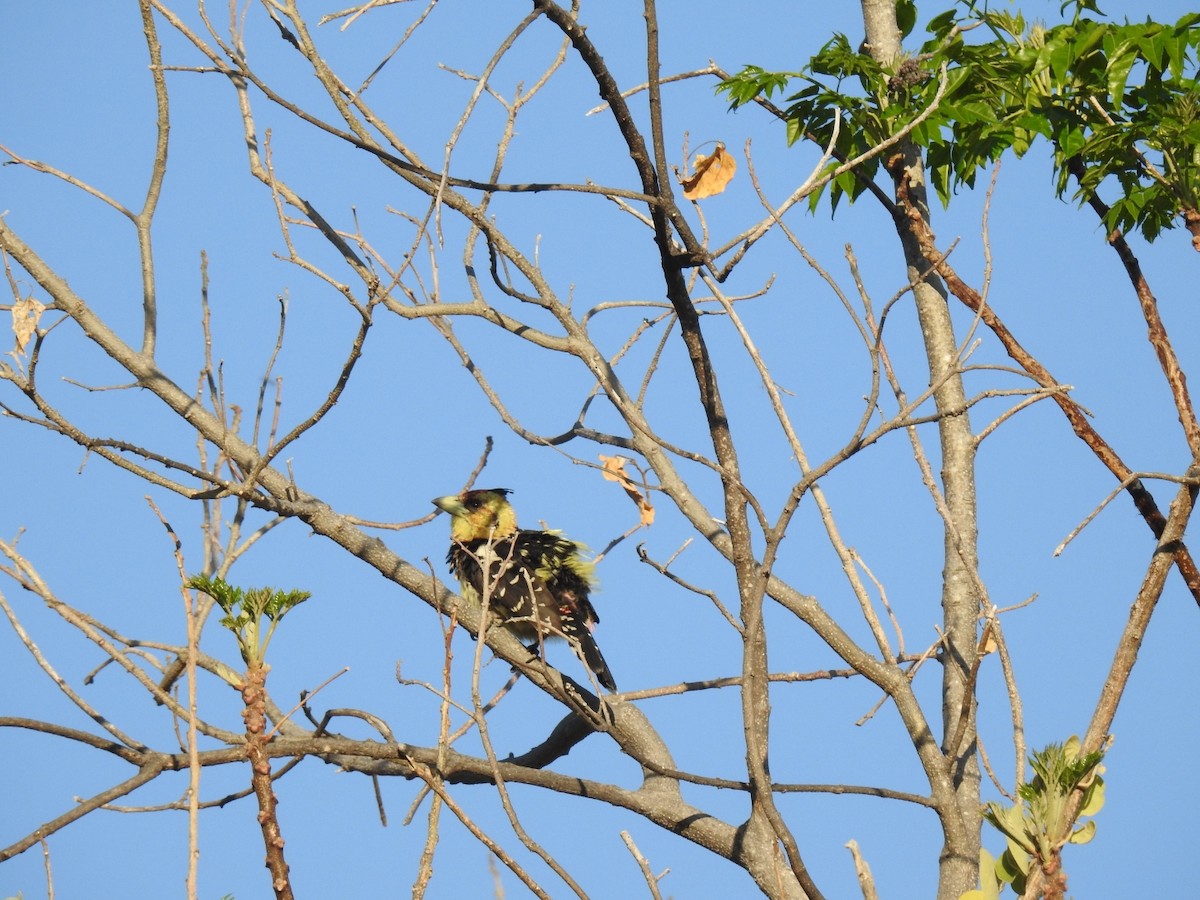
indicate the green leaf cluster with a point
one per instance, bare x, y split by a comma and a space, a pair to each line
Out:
1038, 826
245, 610
1116, 102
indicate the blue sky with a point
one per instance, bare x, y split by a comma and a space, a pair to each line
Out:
413, 425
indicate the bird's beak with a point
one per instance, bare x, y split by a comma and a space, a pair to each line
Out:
450, 504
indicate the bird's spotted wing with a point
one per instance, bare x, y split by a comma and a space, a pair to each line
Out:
539, 582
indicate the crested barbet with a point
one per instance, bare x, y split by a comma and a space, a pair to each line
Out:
537, 581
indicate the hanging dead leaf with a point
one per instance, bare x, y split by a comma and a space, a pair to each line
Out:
614, 470
712, 174
987, 640
25, 315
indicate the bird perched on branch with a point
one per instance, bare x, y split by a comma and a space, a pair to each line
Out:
538, 581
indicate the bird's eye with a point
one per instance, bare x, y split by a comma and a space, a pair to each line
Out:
473, 503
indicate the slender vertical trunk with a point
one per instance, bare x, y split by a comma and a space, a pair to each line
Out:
254, 693
959, 859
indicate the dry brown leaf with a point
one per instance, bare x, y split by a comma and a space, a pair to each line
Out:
25, 315
712, 174
614, 470
987, 642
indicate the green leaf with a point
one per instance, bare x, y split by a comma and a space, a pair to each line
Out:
989, 884
1084, 833
1080, 6
752, 81
940, 25
1010, 821
226, 595
939, 175
1152, 44
1008, 869
1093, 799
1060, 53
1119, 65
1071, 142
794, 130
906, 16
1088, 36
1175, 48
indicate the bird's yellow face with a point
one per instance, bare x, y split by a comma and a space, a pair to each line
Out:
479, 515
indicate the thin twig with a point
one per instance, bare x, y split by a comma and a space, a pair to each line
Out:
651, 879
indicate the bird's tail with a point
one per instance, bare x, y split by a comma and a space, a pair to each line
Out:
594, 660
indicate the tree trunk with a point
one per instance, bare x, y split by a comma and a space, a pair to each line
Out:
959, 859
